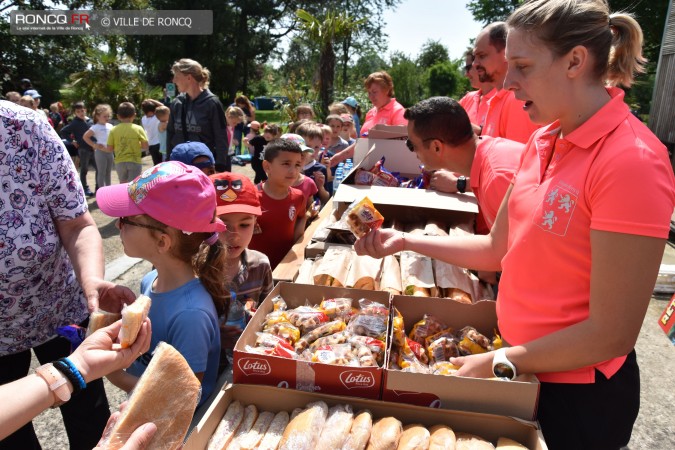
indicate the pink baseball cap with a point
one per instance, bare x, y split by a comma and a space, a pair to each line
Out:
179, 196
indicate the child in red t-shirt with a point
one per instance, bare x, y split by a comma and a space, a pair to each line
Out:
283, 207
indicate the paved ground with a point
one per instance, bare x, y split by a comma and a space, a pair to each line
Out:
655, 427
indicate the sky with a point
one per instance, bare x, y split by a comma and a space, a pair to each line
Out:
413, 22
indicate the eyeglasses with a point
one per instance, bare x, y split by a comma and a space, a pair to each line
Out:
127, 221
411, 146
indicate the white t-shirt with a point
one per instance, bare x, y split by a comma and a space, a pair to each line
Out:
101, 132
150, 125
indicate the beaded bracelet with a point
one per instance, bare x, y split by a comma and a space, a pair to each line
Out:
65, 370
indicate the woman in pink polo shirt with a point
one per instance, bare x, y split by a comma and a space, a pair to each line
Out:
581, 232
386, 110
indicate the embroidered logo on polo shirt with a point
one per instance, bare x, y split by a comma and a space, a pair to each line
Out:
555, 212
291, 213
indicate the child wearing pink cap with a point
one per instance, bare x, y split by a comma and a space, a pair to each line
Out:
167, 215
248, 275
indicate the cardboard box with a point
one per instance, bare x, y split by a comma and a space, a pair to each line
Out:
510, 398
398, 159
667, 320
303, 375
265, 398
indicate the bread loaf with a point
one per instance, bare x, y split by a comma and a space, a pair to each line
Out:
250, 440
132, 318
360, 432
385, 434
166, 394
509, 444
250, 416
414, 437
100, 319
442, 438
336, 429
227, 427
304, 430
276, 429
466, 441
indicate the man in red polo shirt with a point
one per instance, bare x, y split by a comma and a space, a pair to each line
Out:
505, 115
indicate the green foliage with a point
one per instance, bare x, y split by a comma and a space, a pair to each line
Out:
443, 79
407, 77
432, 53
488, 11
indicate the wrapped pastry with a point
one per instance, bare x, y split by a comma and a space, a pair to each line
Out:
270, 440
472, 342
369, 325
133, 317
454, 282
385, 434
375, 346
359, 432
365, 356
334, 266
275, 317
442, 349
390, 280
414, 437
442, 438
362, 217
428, 326
364, 273
399, 329
338, 355
319, 332
332, 339
443, 368
417, 275
336, 429
306, 318
279, 303
466, 441
228, 425
285, 330
509, 444
435, 228
252, 438
250, 416
306, 272
303, 431
418, 350
336, 307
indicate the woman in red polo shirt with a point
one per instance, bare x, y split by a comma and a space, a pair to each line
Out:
581, 232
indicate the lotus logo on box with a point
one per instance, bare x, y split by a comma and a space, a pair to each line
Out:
354, 379
254, 366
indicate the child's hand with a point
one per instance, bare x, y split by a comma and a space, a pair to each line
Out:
319, 178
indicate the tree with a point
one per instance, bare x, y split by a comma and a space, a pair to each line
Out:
443, 79
432, 53
407, 79
324, 32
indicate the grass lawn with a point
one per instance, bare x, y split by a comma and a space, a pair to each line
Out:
270, 116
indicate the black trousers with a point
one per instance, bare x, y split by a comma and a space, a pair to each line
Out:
157, 156
84, 416
594, 416
86, 157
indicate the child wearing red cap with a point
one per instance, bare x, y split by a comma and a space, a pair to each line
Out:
248, 274
167, 215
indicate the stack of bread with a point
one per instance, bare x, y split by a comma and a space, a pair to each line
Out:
332, 332
320, 427
431, 343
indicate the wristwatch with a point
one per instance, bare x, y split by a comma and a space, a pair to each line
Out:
56, 381
502, 367
461, 184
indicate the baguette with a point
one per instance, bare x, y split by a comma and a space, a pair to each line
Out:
414, 437
466, 441
250, 440
360, 432
442, 438
304, 430
100, 319
229, 424
250, 416
385, 434
336, 428
509, 444
132, 318
276, 429
168, 372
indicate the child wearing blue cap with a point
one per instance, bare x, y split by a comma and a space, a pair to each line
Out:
195, 154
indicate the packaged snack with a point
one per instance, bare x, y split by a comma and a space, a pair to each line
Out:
369, 325
472, 342
362, 217
275, 317
279, 303
285, 330
442, 349
336, 307
339, 355
429, 325
331, 339
270, 341
443, 368
324, 330
306, 318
